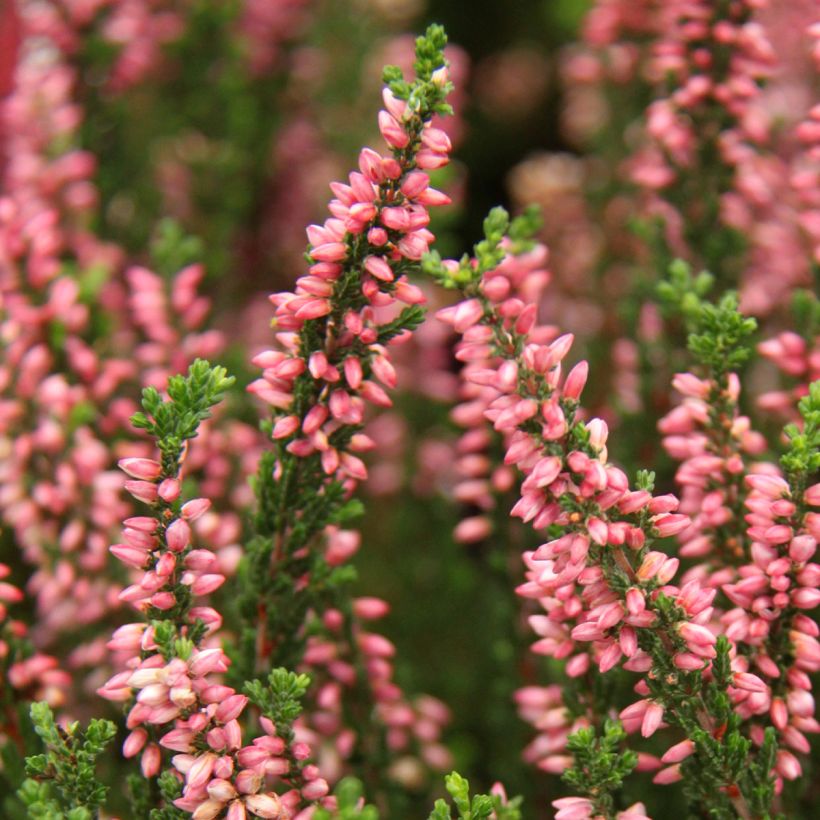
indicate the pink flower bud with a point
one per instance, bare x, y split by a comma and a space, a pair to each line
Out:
178, 535
195, 508
145, 469
168, 490
142, 491
678, 752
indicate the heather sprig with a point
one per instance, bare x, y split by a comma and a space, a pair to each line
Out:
600, 764
63, 781
334, 335
171, 681
601, 570
175, 420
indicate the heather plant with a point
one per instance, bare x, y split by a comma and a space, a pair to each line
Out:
638, 524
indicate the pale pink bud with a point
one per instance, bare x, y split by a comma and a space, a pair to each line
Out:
671, 524
134, 743
678, 752
671, 774
178, 535
651, 719
285, 427
377, 266
265, 805
576, 380
195, 508
151, 760
168, 490
142, 491
749, 682
316, 789
392, 132
145, 469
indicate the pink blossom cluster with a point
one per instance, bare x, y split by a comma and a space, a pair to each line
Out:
711, 451
137, 28
70, 373
176, 701
774, 596
721, 103
753, 544
520, 276
598, 582
798, 358
410, 725
33, 673
377, 231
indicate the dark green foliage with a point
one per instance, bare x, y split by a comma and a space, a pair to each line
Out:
426, 93
62, 782
719, 335
600, 765
720, 341
801, 461
280, 699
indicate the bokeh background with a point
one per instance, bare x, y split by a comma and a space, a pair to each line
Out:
214, 128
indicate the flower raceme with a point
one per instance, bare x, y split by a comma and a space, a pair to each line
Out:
174, 662
607, 592
332, 361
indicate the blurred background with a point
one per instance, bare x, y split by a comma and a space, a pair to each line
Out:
210, 130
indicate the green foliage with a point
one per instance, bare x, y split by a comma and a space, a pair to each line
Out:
719, 335
801, 461
524, 228
599, 765
176, 420
681, 293
473, 808
280, 699
806, 312
350, 803
170, 788
172, 249
428, 92
720, 341
62, 782
489, 252
724, 768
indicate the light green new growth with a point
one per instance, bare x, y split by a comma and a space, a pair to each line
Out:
473, 808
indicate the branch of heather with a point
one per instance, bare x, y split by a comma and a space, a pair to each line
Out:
171, 684
607, 593
332, 361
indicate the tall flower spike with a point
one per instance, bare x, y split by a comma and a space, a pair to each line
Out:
172, 683
606, 592
333, 361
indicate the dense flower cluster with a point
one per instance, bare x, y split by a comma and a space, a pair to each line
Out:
172, 678
666, 621
606, 590
333, 360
